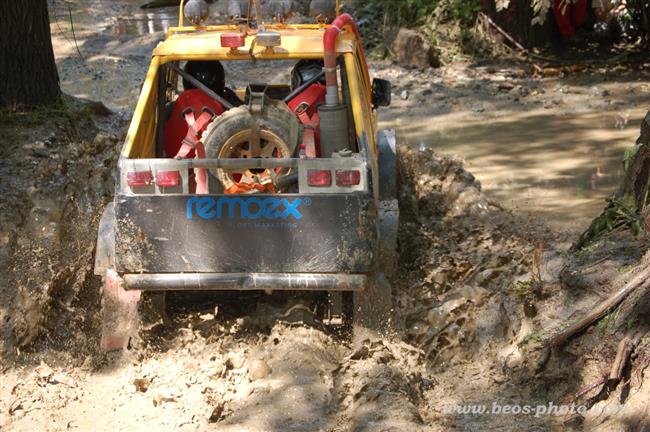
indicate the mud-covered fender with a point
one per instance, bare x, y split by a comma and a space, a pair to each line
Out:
105, 251
388, 209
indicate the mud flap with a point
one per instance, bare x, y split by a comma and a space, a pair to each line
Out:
119, 312
373, 308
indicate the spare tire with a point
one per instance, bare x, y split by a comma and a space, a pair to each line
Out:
229, 137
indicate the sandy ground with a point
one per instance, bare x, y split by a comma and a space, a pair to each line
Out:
468, 318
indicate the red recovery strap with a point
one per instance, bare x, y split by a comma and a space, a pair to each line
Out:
192, 141
309, 134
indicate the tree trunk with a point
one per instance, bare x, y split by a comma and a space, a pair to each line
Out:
638, 171
27, 67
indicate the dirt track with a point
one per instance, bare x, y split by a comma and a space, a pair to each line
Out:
464, 334
467, 319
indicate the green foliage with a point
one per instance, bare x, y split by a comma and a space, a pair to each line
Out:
629, 154
631, 322
619, 214
608, 322
534, 337
523, 288
67, 107
381, 19
398, 13
465, 11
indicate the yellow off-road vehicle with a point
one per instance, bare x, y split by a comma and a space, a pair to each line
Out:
253, 162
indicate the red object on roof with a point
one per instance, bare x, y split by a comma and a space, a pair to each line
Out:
232, 40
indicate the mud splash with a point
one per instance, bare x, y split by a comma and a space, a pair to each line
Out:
48, 218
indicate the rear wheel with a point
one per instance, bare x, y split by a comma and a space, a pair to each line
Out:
388, 210
373, 308
154, 309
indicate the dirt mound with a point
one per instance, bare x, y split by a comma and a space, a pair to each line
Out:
462, 257
57, 181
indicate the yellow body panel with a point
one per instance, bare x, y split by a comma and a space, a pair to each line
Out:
143, 124
296, 43
365, 121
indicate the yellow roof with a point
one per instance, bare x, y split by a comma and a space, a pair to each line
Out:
297, 42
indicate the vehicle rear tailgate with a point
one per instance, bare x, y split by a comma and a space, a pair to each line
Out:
306, 233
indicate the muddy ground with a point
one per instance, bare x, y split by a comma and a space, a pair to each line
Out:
480, 283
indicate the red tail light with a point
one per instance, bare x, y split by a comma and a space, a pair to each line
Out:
348, 178
139, 178
322, 178
168, 178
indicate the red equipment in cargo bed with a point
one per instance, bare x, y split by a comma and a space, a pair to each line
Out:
176, 125
305, 105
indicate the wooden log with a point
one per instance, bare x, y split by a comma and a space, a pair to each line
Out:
626, 347
642, 280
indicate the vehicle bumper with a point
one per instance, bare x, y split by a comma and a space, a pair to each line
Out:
245, 282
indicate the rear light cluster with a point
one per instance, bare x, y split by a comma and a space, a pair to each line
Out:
139, 178
145, 178
168, 178
348, 177
323, 178
319, 178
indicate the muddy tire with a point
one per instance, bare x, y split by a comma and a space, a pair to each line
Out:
388, 210
227, 137
154, 309
373, 308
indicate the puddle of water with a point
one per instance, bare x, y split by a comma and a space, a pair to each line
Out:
115, 39
119, 17
145, 23
558, 167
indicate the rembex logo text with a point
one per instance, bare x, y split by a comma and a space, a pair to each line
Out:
246, 208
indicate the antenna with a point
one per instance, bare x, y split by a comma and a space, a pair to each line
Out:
338, 7
181, 14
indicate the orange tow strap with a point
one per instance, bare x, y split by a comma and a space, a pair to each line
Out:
244, 188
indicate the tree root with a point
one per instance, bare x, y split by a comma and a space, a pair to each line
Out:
642, 280
626, 347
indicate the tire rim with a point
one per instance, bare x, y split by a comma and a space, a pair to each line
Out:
238, 147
